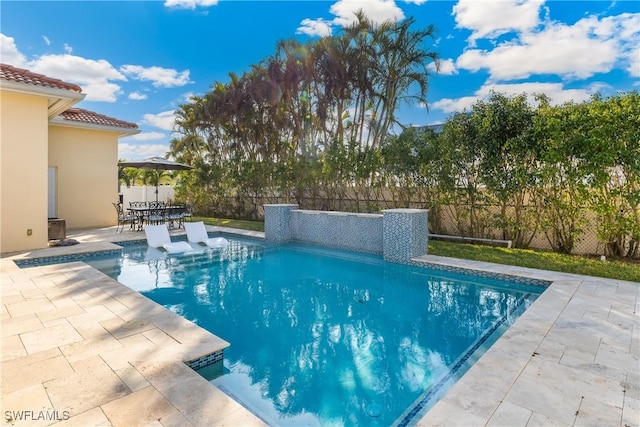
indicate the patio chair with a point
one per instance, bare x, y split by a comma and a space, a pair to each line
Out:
175, 216
158, 236
157, 213
197, 233
188, 211
156, 216
124, 218
140, 209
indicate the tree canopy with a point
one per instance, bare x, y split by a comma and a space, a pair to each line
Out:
315, 124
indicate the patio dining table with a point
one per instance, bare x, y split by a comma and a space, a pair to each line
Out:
147, 214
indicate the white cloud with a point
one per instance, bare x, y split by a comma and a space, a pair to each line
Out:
158, 76
590, 46
9, 52
628, 30
449, 105
315, 27
164, 120
344, 11
187, 97
489, 19
47, 41
555, 91
94, 76
68, 49
140, 151
418, 2
378, 11
447, 67
148, 136
634, 64
98, 78
190, 4
578, 51
137, 96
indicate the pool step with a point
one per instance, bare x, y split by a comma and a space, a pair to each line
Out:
187, 260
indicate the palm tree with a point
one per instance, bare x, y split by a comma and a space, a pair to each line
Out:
402, 67
128, 176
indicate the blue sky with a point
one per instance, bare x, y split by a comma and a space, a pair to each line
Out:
139, 60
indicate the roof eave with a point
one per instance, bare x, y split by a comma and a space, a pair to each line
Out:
121, 131
59, 106
59, 99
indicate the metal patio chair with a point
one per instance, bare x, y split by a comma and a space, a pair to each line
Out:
157, 213
124, 218
175, 216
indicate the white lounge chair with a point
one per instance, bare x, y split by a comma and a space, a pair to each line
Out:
154, 254
197, 233
158, 237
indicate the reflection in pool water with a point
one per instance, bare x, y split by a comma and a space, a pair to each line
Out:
326, 337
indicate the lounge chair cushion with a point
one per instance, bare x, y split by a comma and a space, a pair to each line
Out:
197, 233
158, 237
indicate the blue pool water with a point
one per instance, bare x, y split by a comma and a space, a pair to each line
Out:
327, 337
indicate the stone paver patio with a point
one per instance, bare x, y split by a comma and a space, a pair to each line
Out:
79, 348
573, 358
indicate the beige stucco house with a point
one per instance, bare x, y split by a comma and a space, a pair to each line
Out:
55, 160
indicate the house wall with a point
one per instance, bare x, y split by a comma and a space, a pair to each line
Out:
87, 175
23, 172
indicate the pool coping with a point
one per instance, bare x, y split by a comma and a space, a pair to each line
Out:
80, 348
571, 358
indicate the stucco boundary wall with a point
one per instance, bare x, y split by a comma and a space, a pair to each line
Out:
397, 234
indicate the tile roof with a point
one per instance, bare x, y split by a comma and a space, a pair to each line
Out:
19, 75
86, 116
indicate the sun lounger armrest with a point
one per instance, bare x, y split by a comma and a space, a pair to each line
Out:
177, 247
216, 242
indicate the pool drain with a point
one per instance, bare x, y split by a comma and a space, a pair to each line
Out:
374, 410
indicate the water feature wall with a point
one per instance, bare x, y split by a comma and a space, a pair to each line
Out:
342, 230
396, 234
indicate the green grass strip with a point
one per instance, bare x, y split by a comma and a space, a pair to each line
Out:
544, 260
233, 223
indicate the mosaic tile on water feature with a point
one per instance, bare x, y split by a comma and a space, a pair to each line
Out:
397, 234
340, 230
277, 222
404, 234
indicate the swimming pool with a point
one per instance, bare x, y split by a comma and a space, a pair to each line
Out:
327, 337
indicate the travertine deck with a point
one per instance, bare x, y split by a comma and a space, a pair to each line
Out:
572, 359
79, 348
78, 345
